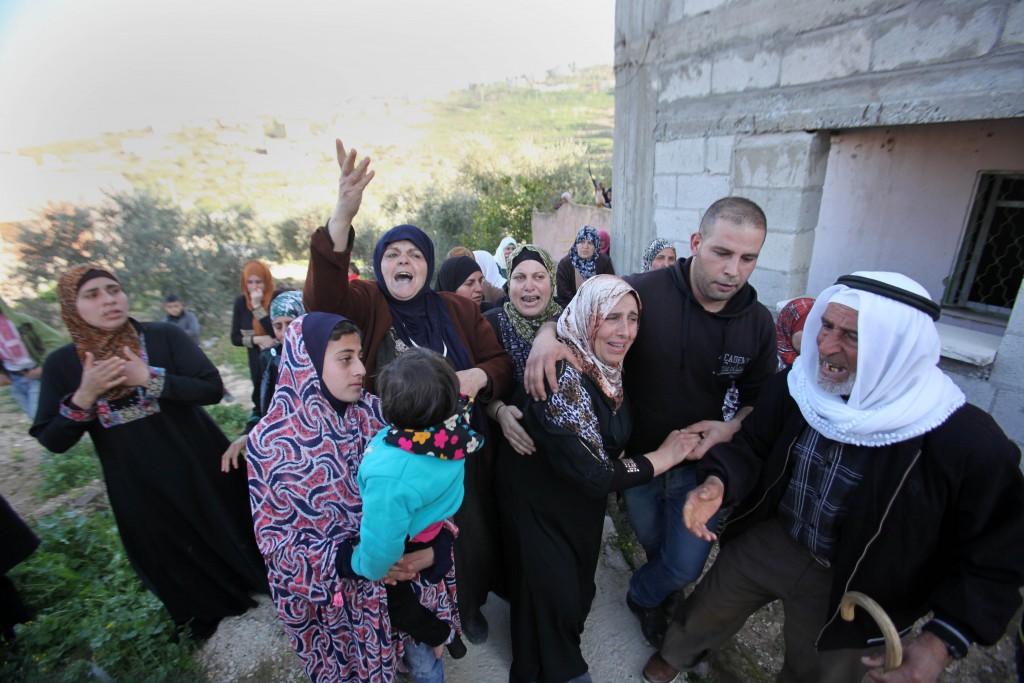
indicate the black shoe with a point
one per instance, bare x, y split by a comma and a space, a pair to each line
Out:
474, 627
668, 605
456, 648
652, 622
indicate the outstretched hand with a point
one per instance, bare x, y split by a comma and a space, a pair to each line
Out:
354, 179
711, 432
701, 505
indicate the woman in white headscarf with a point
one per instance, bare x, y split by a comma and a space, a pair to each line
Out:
553, 522
503, 252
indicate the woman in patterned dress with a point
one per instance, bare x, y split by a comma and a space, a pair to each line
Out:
137, 389
303, 459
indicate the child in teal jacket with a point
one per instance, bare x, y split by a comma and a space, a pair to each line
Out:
411, 480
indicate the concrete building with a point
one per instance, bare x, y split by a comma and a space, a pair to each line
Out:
876, 134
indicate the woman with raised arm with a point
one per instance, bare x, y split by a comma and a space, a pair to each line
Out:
554, 500
398, 312
137, 390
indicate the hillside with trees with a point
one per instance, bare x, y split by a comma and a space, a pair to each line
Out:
198, 200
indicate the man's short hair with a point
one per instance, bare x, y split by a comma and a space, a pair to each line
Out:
736, 210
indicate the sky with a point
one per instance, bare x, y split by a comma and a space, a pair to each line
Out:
71, 69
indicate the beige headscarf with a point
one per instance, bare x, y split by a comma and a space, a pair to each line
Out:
577, 328
101, 343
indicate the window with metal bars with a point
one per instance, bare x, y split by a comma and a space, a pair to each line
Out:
990, 265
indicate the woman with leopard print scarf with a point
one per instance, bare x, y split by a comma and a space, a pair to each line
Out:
553, 526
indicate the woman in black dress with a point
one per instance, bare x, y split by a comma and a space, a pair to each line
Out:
137, 390
251, 325
553, 501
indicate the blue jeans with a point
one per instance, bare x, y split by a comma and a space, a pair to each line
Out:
26, 393
675, 557
423, 665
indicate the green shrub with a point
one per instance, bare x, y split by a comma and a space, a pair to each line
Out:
92, 611
64, 471
230, 417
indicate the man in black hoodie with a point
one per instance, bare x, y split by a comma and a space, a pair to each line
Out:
704, 349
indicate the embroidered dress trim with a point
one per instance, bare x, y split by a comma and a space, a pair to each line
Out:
142, 403
74, 413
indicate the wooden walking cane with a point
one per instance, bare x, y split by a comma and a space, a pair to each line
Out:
893, 647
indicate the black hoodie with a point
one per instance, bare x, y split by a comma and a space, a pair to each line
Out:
685, 359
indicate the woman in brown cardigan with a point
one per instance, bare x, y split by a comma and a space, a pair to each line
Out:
400, 311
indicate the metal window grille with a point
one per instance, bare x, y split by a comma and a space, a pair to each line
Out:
989, 268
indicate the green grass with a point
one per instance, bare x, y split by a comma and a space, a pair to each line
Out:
93, 612
93, 615
223, 352
65, 471
506, 117
230, 416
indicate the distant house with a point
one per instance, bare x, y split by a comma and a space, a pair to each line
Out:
876, 135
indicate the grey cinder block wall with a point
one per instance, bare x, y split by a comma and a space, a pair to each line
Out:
859, 126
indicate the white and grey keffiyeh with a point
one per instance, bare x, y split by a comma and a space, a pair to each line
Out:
899, 391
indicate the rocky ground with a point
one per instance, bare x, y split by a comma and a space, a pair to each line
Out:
253, 647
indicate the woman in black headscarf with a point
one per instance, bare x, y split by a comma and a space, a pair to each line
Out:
400, 311
462, 275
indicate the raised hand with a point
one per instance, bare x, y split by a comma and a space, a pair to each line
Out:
354, 179
256, 294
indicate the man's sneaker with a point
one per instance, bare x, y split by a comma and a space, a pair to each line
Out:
652, 622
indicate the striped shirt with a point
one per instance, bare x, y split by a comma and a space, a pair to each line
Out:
816, 501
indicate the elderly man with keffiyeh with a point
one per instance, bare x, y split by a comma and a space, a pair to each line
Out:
860, 469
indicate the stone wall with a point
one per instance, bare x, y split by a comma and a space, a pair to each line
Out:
743, 97
556, 231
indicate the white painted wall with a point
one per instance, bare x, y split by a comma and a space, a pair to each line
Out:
898, 198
